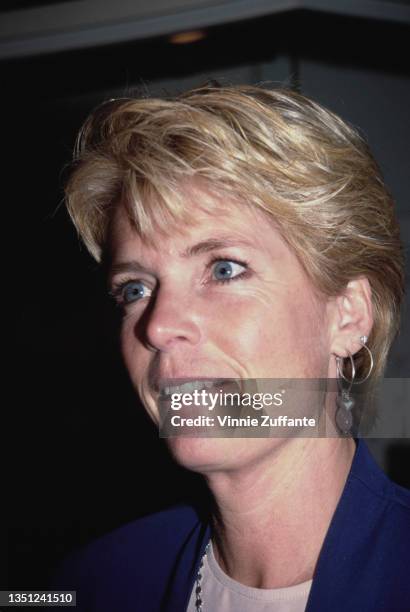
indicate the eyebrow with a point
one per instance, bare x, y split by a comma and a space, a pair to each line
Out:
214, 244
205, 246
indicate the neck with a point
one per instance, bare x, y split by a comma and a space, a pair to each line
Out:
270, 520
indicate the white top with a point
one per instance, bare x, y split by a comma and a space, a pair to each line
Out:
222, 594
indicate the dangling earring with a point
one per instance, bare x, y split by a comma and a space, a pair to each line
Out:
344, 402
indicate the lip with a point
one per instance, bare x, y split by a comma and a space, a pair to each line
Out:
168, 386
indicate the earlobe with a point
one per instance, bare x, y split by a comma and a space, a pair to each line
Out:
352, 318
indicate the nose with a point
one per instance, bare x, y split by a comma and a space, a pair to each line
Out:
171, 320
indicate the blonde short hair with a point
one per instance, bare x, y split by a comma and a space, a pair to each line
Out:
270, 148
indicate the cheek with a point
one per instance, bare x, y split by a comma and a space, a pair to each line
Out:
272, 335
136, 358
133, 352
303, 332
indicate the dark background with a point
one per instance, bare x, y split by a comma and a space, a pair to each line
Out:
80, 457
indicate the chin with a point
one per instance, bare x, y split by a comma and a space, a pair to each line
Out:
202, 454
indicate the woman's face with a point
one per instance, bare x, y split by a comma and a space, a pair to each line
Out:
225, 298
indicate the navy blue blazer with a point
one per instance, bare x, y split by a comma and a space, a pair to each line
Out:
150, 565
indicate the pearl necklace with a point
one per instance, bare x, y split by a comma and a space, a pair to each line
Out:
198, 589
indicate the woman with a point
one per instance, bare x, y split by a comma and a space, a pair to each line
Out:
247, 235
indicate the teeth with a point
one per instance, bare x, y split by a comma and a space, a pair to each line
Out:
189, 387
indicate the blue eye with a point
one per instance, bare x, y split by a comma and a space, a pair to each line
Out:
133, 291
225, 269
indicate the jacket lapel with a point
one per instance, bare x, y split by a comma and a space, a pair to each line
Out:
186, 569
346, 571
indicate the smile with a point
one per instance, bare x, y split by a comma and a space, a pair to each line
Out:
190, 386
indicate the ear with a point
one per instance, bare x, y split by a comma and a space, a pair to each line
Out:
351, 318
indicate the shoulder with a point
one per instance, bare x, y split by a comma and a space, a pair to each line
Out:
146, 535
379, 506
375, 485
169, 525
136, 558
365, 557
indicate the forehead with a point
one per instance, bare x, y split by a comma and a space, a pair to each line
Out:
207, 217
